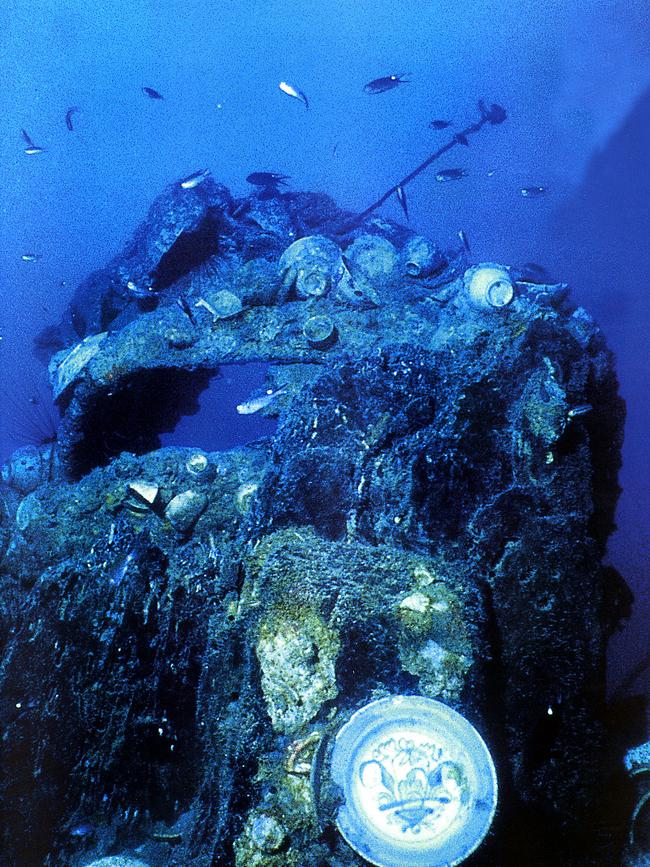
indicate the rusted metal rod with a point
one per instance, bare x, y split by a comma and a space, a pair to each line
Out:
494, 115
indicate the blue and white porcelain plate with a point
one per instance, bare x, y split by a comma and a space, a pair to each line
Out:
418, 781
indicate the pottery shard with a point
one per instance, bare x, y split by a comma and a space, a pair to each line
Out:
65, 367
184, 510
146, 492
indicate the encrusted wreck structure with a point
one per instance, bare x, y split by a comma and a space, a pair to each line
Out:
183, 633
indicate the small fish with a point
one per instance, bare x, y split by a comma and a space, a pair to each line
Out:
194, 179
401, 198
185, 307
31, 147
464, 241
387, 82
30, 257
440, 124
461, 138
490, 173
255, 404
451, 175
292, 91
139, 292
267, 179
151, 93
581, 409
68, 117
532, 192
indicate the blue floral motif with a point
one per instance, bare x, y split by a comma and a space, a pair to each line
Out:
414, 784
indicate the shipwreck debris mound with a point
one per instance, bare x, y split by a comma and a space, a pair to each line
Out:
184, 633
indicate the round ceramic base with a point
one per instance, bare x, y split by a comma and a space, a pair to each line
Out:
418, 782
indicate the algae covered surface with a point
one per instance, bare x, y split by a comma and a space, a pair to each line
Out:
183, 632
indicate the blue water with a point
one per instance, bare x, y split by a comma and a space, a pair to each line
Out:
574, 77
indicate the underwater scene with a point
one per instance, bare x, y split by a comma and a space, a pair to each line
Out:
325, 487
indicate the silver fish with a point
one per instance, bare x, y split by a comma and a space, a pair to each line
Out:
31, 147
581, 409
290, 90
255, 404
29, 257
194, 179
401, 198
